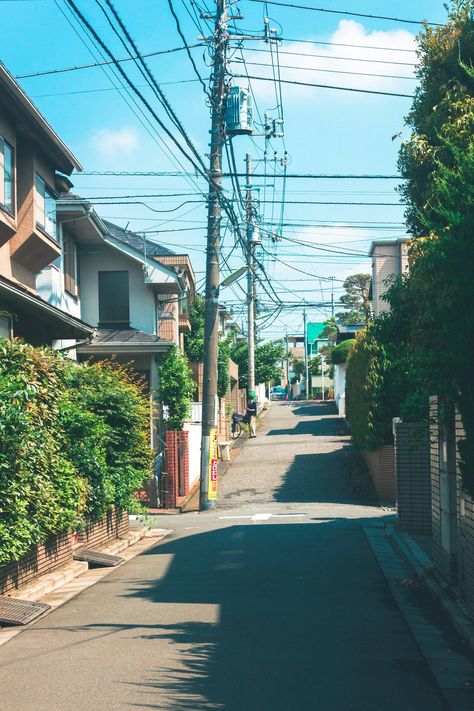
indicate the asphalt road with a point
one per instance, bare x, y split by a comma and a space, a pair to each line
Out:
272, 602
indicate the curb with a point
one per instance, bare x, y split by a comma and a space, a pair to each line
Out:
440, 590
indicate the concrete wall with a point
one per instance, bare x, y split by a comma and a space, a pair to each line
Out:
194, 438
97, 258
340, 370
413, 477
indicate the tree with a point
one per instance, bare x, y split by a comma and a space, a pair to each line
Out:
176, 387
437, 163
298, 366
356, 299
267, 357
330, 330
194, 345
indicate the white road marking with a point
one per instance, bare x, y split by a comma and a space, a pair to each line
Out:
263, 516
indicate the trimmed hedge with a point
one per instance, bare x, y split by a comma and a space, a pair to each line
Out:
74, 441
340, 353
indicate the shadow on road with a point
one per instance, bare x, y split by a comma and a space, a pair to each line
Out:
289, 634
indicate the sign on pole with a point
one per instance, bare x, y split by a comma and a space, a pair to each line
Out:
213, 458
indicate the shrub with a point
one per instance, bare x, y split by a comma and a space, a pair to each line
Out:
74, 440
340, 353
176, 387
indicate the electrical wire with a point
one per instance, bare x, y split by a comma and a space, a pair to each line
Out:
328, 86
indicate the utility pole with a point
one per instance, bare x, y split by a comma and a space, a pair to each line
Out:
332, 296
287, 365
208, 482
306, 368
250, 274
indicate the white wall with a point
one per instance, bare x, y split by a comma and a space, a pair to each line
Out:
50, 286
194, 444
340, 370
98, 258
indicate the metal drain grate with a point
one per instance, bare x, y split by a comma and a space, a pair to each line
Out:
95, 558
14, 611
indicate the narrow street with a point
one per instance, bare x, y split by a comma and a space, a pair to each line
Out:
273, 601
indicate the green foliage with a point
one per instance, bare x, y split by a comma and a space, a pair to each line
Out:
356, 299
438, 165
298, 366
194, 341
340, 353
106, 421
267, 357
330, 330
194, 345
73, 442
176, 387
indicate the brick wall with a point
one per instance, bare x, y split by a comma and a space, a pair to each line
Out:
42, 559
413, 478
446, 561
113, 525
381, 464
177, 455
58, 551
466, 530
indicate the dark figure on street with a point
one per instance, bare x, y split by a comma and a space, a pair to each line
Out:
252, 413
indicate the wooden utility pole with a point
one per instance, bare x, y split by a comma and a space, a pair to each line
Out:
208, 483
306, 367
250, 275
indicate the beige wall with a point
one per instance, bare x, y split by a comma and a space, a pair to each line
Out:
387, 259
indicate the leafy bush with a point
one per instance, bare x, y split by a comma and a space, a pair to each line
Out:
73, 442
176, 387
340, 353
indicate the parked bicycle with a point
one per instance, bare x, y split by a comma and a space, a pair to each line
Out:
236, 424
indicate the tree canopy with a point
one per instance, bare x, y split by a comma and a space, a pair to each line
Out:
356, 299
267, 357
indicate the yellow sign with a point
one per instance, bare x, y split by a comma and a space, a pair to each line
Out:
213, 457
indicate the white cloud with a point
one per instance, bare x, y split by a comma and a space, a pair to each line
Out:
327, 61
112, 143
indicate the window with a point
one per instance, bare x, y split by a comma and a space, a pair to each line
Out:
45, 206
114, 300
6, 175
70, 266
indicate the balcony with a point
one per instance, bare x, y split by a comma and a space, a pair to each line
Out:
7, 226
184, 323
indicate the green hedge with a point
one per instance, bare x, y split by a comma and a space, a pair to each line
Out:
74, 441
340, 353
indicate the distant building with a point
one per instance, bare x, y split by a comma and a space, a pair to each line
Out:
389, 257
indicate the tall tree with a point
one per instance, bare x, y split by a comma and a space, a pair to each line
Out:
356, 299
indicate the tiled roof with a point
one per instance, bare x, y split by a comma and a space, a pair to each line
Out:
129, 335
137, 242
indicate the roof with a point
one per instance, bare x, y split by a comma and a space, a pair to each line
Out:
129, 340
314, 331
137, 242
348, 331
64, 325
33, 122
388, 243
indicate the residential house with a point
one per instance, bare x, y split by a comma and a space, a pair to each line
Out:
116, 281
344, 333
34, 165
389, 258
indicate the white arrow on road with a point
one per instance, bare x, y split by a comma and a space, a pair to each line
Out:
264, 516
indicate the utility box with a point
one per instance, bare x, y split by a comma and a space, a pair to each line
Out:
239, 112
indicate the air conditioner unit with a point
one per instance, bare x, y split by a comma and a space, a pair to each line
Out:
239, 112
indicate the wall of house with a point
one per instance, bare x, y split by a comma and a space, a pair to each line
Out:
340, 370
387, 259
97, 258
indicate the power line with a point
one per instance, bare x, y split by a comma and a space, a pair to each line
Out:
329, 71
333, 57
346, 12
302, 176
326, 86
188, 51
104, 63
342, 44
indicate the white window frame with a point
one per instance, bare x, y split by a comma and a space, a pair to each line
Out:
42, 217
6, 187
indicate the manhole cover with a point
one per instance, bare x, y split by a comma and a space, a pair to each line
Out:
14, 611
96, 558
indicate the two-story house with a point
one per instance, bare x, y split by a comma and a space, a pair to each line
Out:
34, 163
116, 280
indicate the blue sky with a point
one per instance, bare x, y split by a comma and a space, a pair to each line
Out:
326, 131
